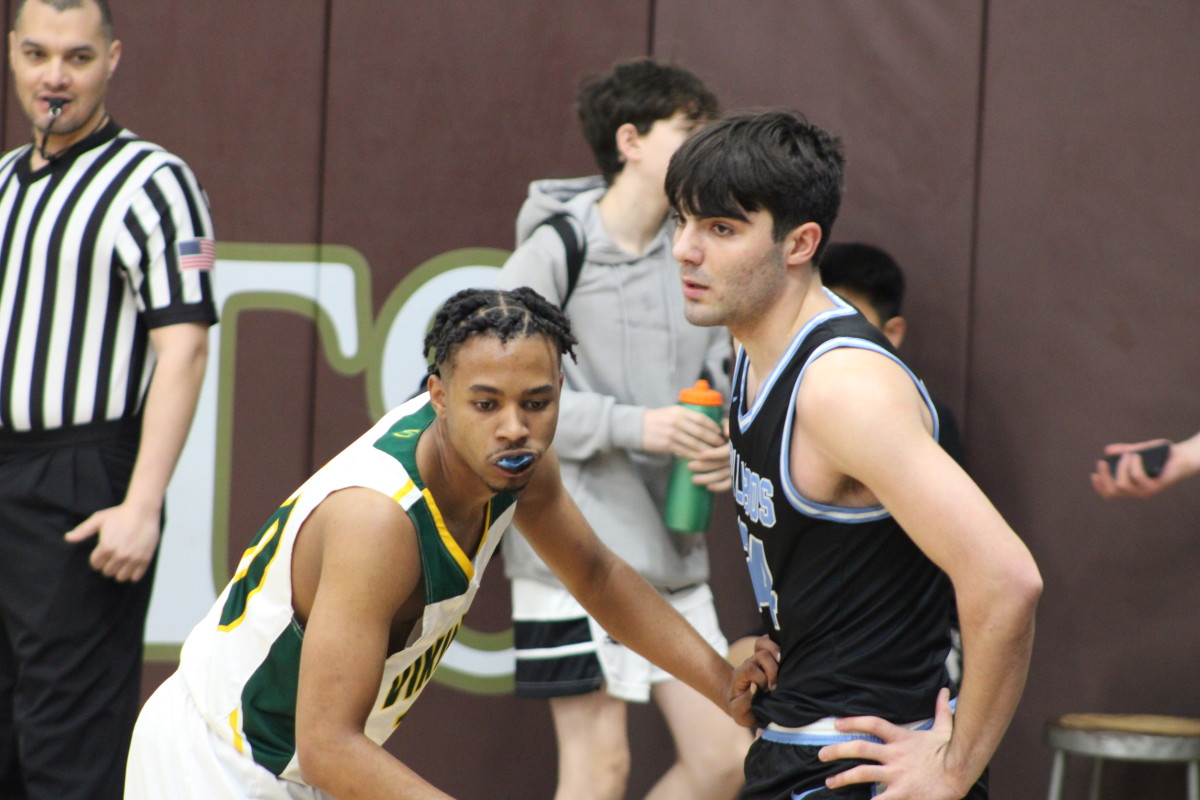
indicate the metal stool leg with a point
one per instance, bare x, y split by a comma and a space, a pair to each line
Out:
1123, 737
1056, 776
1097, 769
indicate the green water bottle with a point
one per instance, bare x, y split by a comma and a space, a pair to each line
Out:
689, 507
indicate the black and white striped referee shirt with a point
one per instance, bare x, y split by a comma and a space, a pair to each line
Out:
96, 248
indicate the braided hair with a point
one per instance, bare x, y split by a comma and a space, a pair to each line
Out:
495, 312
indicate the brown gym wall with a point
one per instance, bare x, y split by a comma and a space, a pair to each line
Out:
1032, 164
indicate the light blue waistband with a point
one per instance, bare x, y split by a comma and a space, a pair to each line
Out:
824, 732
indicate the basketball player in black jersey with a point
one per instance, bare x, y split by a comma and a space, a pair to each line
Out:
851, 514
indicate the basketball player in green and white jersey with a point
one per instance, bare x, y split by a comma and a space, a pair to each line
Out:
350, 594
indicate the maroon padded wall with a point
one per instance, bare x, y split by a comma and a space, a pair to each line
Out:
901, 91
1083, 333
1032, 165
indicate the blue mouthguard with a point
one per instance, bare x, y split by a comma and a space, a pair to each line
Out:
515, 462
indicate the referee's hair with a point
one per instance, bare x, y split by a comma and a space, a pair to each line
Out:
495, 312
106, 18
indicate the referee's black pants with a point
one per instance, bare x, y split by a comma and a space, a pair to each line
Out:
70, 638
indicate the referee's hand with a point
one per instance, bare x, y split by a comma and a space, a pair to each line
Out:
126, 539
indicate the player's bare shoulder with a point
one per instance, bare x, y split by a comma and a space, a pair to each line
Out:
854, 406
355, 534
850, 386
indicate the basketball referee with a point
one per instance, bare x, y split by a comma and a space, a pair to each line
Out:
105, 251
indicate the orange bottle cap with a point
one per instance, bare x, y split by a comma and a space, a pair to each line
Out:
700, 395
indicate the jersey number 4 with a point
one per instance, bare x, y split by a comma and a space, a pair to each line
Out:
760, 575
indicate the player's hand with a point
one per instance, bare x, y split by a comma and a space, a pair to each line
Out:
758, 672
911, 764
679, 431
1129, 479
126, 540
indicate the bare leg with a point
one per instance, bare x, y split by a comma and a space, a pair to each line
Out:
710, 747
593, 746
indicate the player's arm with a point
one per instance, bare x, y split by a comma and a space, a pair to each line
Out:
356, 558
866, 420
624, 604
129, 532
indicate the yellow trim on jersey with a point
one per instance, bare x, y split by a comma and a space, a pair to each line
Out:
487, 524
251, 552
451, 546
402, 495
238, 742
244, 567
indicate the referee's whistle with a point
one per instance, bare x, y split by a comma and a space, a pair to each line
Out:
56, 105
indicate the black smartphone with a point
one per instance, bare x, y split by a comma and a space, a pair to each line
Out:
1154, 458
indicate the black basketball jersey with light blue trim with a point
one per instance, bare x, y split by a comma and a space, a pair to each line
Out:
859, 612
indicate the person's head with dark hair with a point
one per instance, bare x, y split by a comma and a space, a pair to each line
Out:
501, 314
494, 382
632, 97
869, 279
773, 161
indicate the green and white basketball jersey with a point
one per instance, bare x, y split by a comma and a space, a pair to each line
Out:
241, 663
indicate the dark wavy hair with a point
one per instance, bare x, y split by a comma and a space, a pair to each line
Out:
769, 160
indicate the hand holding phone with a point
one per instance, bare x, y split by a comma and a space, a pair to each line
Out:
1154, 458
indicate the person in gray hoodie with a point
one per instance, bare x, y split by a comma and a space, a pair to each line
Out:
620, 426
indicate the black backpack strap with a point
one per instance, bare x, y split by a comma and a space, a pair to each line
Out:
576, 251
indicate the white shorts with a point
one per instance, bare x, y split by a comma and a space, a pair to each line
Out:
562, 651
174, 754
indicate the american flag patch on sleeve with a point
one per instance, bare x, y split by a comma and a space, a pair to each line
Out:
196, 253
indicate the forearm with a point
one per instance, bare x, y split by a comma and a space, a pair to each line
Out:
591, 423
351, 766
997, 637
635, 614
624, 604
166, 418
1188, 451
